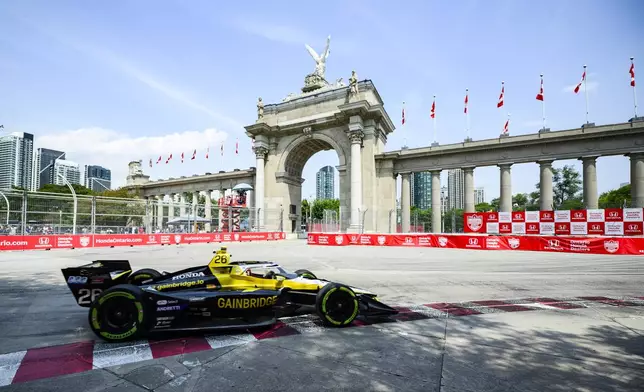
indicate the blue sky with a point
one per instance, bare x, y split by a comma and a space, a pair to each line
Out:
116, 81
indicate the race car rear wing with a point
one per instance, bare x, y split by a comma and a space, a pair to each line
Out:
87, 281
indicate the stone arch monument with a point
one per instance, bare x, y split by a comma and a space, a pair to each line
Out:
352, 121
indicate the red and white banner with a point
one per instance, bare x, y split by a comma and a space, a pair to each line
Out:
591, 245
30, 242
609, 222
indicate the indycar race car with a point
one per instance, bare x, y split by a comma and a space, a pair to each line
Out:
224, 294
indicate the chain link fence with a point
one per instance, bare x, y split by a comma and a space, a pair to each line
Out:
40, 213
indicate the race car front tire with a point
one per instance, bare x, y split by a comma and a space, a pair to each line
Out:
118, 314
305, 274
337, 305
143, 275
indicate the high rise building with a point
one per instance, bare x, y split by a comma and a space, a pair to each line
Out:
16, 160
421, 190
69, 170
479, 195
455, 189
98, 178
44, 167
324, 183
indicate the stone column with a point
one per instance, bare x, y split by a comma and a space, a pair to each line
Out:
436, 201
590, 182
637, 179
160, 212
468, 174
505, 204
182, 206
405, 201
545, 186
208, 210
260, 155
171, 206
195, 201
356, 179
149, 214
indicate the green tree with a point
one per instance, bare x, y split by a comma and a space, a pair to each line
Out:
306, 210
566, 184
421, 218
616, 198
319, 206
53, 188
453, 221
495, 203
483, 207
519, 201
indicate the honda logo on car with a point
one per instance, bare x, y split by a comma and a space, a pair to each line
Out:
188, 275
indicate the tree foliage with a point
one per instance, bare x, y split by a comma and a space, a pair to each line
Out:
616, 198
319, 206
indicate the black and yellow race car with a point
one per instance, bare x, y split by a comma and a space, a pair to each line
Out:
224, 294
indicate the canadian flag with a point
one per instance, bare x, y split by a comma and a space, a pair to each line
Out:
632, 72
500, 103
433, 112
207, 152
506, 127
467, 100
194, 155
181, 157
540, 95
169, 158
578, 86
403, 114
159, 160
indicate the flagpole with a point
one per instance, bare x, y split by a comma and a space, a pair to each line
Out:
467, 115
543, 106
434, 103
503, 92
634, 93
403, 127
586, 92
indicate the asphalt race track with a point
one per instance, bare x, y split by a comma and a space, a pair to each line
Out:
469, 321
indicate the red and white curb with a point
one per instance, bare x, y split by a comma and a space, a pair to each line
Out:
54, 361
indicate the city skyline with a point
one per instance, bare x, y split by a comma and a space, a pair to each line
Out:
112, 95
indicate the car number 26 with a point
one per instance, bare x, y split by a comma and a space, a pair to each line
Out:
87, 296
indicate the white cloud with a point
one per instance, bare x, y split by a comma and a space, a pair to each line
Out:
274, 32
114, 150
591, 86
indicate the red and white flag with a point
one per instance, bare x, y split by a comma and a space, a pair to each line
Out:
194, 155
467, 100
632, 72
540, 95
578, 86
433, 112
168, 160
506, 127
207, 152
159, 160
403, 114
181, 157
237, 146
500, 103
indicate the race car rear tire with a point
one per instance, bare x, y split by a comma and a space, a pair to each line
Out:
142, 275
337, 305
119, 314
305, 274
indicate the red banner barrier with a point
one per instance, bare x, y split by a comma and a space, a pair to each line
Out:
592, 245
30, 242
607, 222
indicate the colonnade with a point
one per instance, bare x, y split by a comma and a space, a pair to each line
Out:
590, 195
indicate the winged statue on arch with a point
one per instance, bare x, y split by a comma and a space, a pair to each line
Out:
320, 60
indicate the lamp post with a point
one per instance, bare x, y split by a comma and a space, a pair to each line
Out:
71, 188
6, 200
